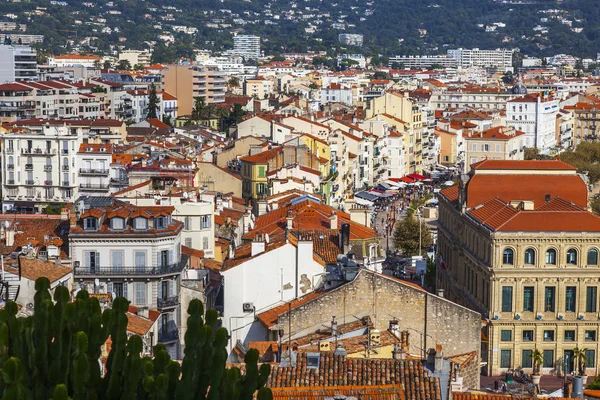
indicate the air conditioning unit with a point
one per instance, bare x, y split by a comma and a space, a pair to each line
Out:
248, 307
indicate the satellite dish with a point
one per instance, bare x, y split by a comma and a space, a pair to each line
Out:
96, 282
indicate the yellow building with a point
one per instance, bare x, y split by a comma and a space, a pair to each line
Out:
516, 243
254, 173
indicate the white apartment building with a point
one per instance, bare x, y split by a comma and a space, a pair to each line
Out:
134, 252
499, 58
72, 60
17, 63
535, 114
94, 162
247, 46
336, 93
36, 174
423, 61
136, 57
396, 162
351, 39
16, 102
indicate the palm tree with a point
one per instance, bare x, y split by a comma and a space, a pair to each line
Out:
580, 359
538, 359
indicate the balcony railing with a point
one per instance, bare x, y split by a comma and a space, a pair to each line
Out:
10, 150
168, 335
10, 166
10, 182
28, 167
129, 270
29, 182
47, 168
38, 151
167, 302
93, 186
65, 167
65, 184
48, 183
92, 171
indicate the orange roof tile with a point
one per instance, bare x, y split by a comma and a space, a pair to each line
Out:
522, 164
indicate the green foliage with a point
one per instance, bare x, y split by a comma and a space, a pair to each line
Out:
153, 103
595, 205
406, 236
531, 153
537, 358
595, 384
586, 158
430, 274
123, 65
55, 354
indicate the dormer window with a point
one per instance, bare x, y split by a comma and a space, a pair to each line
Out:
90, 224
160, 222
140, 223
117, 224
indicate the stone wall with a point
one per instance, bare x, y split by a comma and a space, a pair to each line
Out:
431, 320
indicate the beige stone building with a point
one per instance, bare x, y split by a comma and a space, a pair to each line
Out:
499, 143
187, 82
516, 243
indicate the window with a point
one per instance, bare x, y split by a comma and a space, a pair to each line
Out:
206, 222
159, 222
497, 148
505, 358
528, 292
90, 224
590, 336
591, 298
549, 299
592, 257
548, 359
549, 336
140, 293
204, 243
163, 258
485, 147
526, 361
140, 261
530, 256
507, 298
528, 336
117, 224
506, 335
590, 358
572, 256
187, 242
569, 336
261, 172
140, 223
507, 256
188, 223
570, 298
551, 256
474, 147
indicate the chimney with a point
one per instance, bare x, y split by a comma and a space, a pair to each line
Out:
290, 221
439, 358
258, 244
404, 340
440, 292
394, 328
144, 163
333, 220
397, 353
64, 214
344, 238
72, 216
219, 203
262, 207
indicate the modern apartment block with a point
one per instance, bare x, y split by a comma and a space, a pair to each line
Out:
499, 58
94, 169
17, 63
136, 57
351, 39
134, 252
247, 46
535, 114
186, 82
423, 61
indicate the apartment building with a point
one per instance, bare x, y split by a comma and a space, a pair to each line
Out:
498, 58
131, 251
187, 82
516, 244
94, 162
259, 87
17, 63
136, 57
336, 93
499, 143
16, 102
470, 96
351, 39
247, 46
72, 60
423, 61
535, 114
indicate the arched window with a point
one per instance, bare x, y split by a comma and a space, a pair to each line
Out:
29, 161
66, 162
530, 256
551, 256
507, 256
11, 161
592, 257
571, 256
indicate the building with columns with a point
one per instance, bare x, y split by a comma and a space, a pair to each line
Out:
517, 244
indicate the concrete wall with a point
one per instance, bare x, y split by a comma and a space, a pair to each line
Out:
218, 180
431, 320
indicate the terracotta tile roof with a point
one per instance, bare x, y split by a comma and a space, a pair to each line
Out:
95, 148
380, 392
168, 97
243, 253
558, 204
269, 317
498, 133
264, 347
34, 269
132, 188
157, 123
451, 193
262, 157
307, 215
342, 371
522, 165
138, 324
40, 231
11, 87
326, 332
354, 344
507, 188
492, 396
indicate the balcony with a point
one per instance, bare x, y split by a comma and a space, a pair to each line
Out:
28, 167
92, 171
29, 182
10, 150
168, 335
10, 182
93, 186
38, 152
119, 182
65, 184
10, 166
133, 270
65, 168
47, 168
64, 151
167, 302
48, 183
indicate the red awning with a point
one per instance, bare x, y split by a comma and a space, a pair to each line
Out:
417, 177
407, 179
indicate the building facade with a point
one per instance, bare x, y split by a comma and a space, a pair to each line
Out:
17, 63
517, 244
135, 252
188, 82
498, 58
247, 46
535, 114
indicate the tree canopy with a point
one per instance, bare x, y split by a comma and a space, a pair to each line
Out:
406, 236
